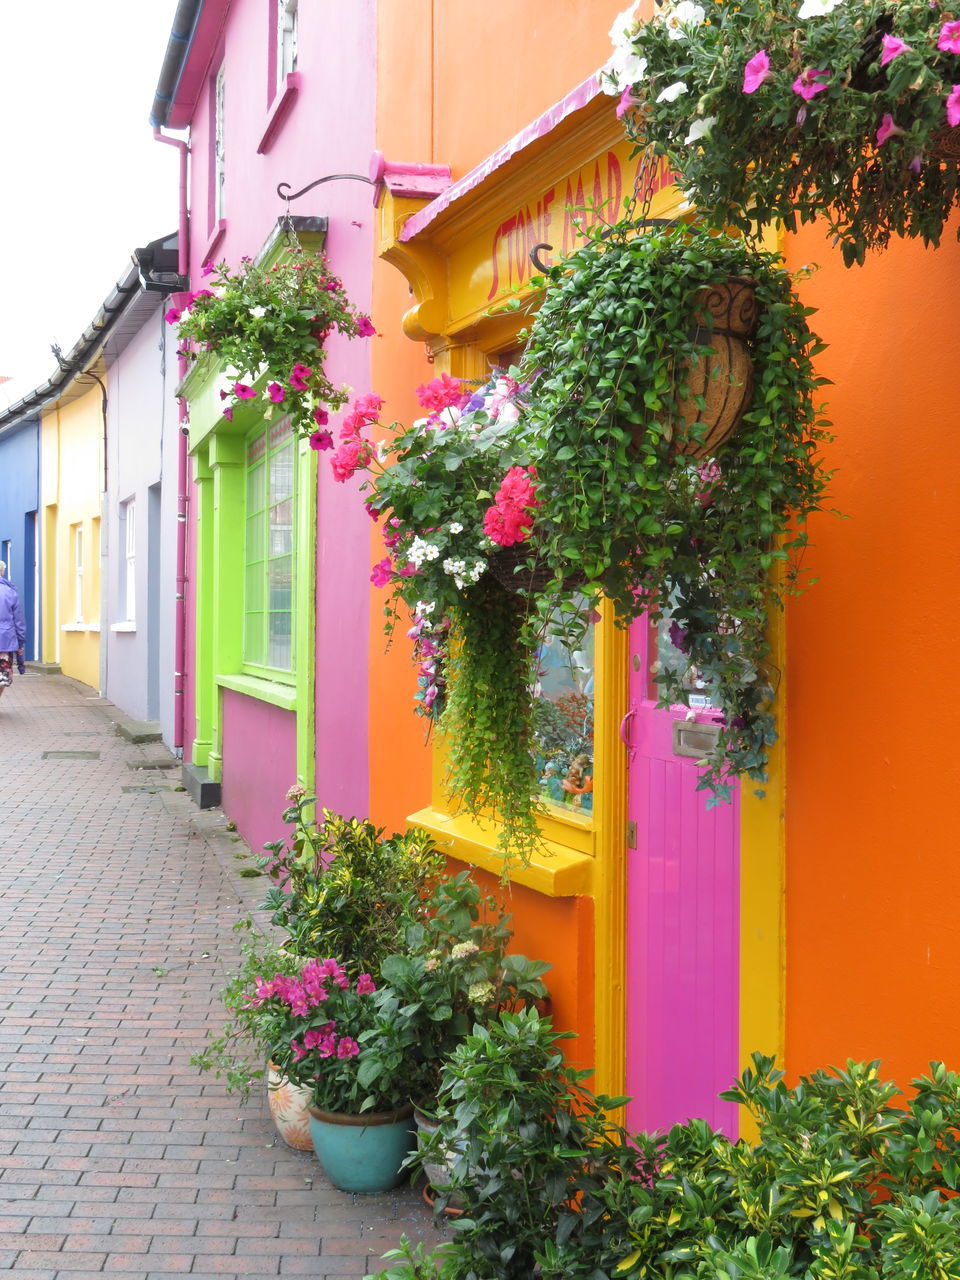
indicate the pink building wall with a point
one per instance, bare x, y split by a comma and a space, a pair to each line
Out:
255, 783
329, 128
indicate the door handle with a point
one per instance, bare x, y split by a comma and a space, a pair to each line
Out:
624, 732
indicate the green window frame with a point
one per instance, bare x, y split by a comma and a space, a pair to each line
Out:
270, 551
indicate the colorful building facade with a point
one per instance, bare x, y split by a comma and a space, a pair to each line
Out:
807, 923
19, 518
274, 93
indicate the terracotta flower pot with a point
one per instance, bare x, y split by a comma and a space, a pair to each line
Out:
724, 375
288, 1107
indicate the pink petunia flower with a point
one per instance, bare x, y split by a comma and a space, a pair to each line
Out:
321, 440
892, 48
887, 129
276, 392
242, 391
172, 316
365, 328
756, 71
207, 270
298, 376
382, 576
321, 417
953, 107
810, 82
628, 100
228, 414
949, 41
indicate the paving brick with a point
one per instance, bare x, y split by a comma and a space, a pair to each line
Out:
116, 1156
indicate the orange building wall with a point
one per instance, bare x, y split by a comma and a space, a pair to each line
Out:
455, 81
873, 781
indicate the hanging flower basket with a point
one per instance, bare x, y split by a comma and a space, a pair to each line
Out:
726, 316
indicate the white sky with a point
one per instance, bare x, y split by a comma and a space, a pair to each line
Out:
82, 182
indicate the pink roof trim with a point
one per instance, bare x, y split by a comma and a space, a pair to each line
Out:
539, 128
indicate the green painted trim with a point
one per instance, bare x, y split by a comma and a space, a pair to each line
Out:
305, 625
227, 458
279, 695
204, 692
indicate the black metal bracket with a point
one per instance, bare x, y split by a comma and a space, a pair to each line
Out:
642, 222
283, 188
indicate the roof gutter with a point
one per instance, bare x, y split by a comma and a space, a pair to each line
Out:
178, 48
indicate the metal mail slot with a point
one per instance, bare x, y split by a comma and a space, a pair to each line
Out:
692, 739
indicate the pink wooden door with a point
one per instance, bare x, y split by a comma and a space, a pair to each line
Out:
683, 925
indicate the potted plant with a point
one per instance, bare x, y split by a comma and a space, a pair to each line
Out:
800, 109
455, 492
341, 887
453, 975
267, 325
633, 484
353, 1047
244, 1051
521, 1126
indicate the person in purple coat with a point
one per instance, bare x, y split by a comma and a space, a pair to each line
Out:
13, 628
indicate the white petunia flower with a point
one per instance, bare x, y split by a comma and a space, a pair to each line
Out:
456, 527
624, 69
624, 26
699, 129
672, 91
258, 312
685, 14
817, 8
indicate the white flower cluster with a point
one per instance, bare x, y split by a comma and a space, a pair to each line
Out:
425, 608
462, 576
456, 527
625, 67
420, 550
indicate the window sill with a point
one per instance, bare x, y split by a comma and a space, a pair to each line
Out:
80, 626
279, 110
272, 691
557, 871
123, 626
216, 239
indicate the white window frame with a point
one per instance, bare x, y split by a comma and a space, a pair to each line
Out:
77, 531
129, 521
219, 168
286, 37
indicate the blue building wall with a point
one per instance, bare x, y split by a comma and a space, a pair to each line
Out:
19, 522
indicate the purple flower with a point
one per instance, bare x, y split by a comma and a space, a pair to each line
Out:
321, 440
365, 327
172, 316
679, 636
207, 270
242, 391
276, 392
321, 417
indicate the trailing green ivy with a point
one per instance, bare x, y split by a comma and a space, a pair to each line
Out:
612, 353
488, 720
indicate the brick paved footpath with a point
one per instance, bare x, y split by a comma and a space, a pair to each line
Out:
116, 909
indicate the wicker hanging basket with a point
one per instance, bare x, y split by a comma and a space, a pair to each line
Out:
946, 145
509, 566
725, 318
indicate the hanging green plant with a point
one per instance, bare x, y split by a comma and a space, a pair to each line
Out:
635, 490
268, 326
830, 109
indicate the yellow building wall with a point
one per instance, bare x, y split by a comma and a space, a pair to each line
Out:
71, 443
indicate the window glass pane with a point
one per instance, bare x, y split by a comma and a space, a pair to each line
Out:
281, 641
255, 538
280, 580
253, 637
281, 529
281, 474
668, 656
256, 497
563, 723
253, 598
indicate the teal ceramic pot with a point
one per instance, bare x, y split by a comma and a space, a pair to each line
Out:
362, 1153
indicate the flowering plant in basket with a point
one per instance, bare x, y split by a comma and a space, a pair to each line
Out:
455, 491
268, 325
351, 1044
794, 109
